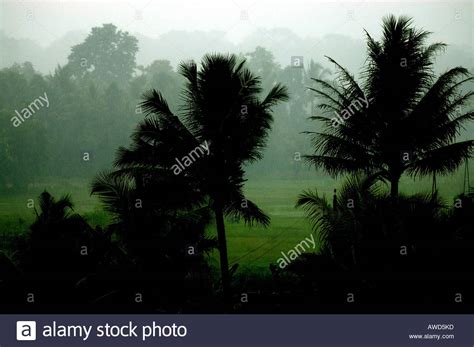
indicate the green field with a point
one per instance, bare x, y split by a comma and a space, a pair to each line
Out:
254, 248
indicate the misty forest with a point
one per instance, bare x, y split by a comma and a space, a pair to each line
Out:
238, 183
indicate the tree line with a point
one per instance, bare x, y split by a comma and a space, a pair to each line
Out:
94, 104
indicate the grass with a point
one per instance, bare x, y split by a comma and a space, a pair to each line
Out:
17, 213
253, 248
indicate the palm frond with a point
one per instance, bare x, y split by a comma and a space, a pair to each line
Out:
114, 192
155, 103
277, 94
442, 160
335, 166
347, 80
248, 211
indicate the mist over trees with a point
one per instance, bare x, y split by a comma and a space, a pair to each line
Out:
94, 104
179, 45
168, 152
107, 54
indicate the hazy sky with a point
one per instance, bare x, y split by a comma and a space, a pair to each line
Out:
46, 21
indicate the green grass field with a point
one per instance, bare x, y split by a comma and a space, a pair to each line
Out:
253, 248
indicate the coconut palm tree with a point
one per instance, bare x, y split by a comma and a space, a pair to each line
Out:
400, 119
200, 152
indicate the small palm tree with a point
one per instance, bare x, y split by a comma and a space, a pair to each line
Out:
143, 215
338, 227
158, 223
401, 119
223, 123
363, 219
56, 237
53, 215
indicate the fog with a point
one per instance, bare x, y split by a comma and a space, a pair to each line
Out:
177, 30
37, 58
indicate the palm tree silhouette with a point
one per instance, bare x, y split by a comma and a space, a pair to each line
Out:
56, 237
156, 218
52, 212
221, 110
361, 221
401, 119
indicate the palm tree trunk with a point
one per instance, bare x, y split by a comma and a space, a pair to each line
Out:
223, 251
394, 187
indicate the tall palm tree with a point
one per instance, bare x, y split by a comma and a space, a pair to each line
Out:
401, 118
222, 125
